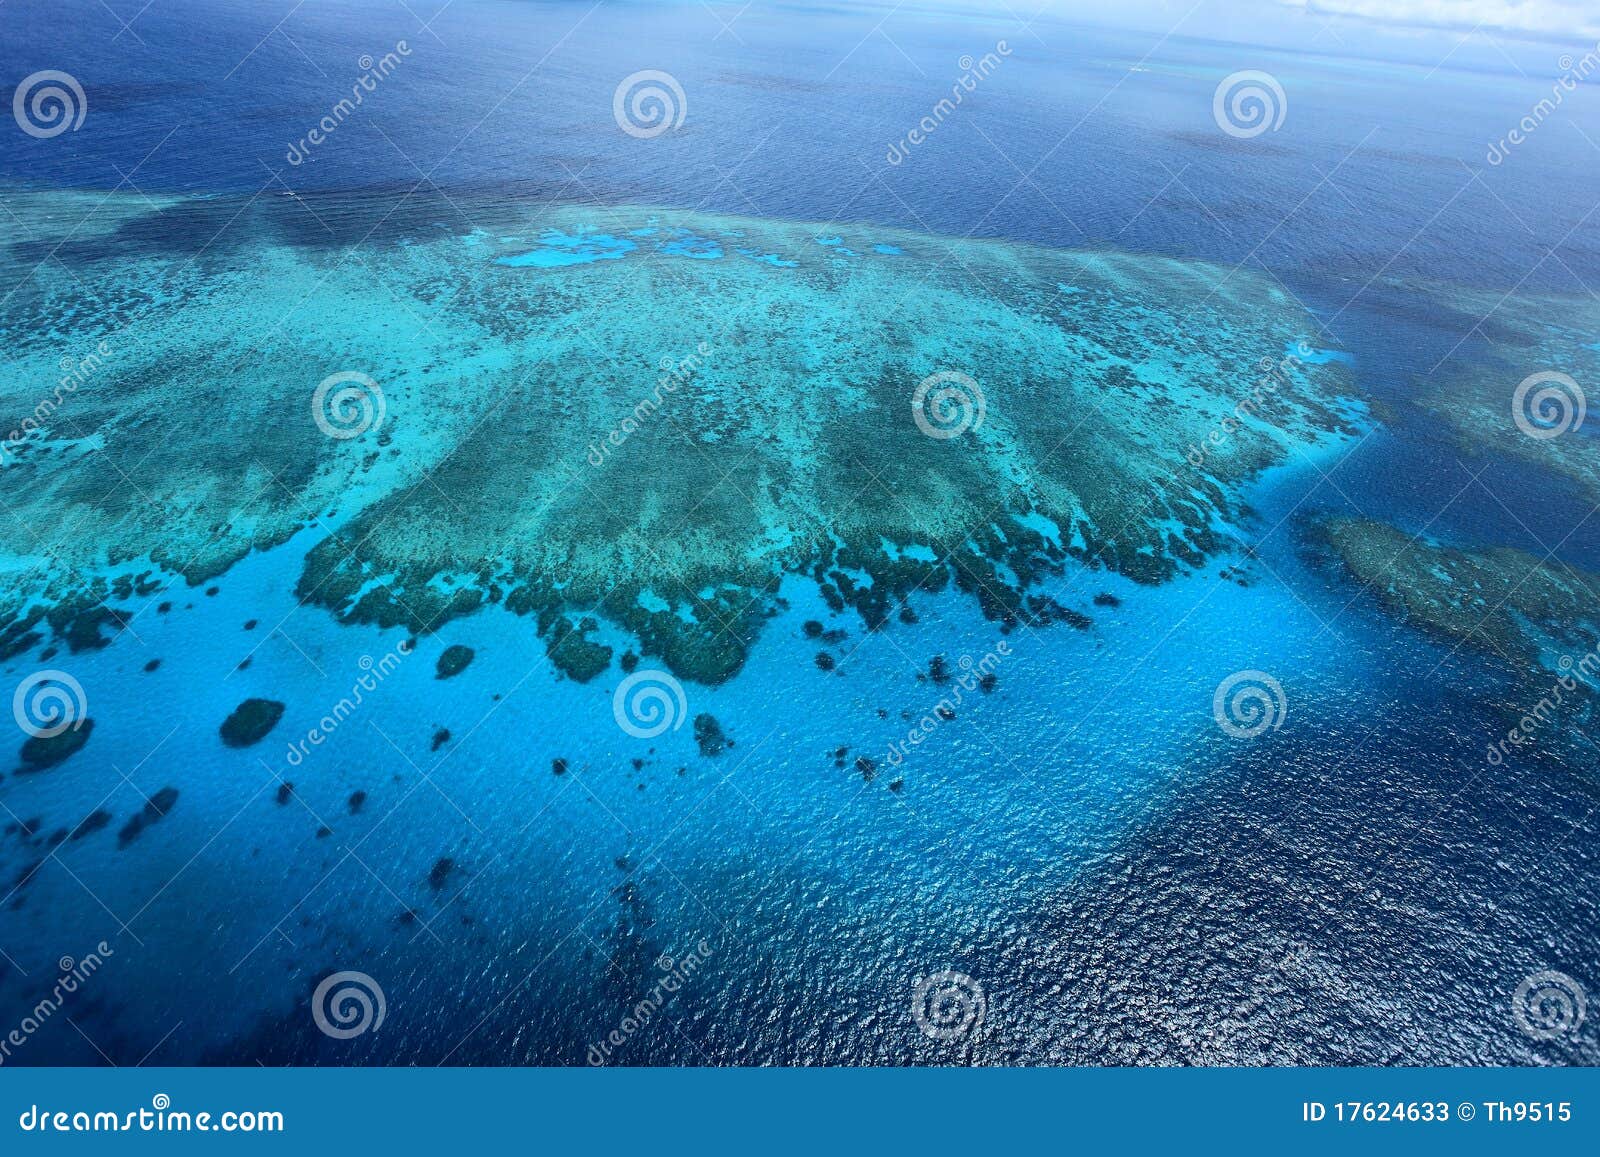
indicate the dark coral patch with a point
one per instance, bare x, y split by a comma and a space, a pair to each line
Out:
453, 660
708, 734
573, 653
24, 829
92, 822
43, 751
155, 808
250, 722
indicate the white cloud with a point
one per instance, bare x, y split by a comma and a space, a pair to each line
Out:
1546, 17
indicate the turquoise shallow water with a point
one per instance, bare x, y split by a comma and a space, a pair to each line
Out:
558, 249
1080, 743
805, 881
1120, 879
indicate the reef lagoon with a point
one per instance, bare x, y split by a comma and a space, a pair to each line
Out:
527, 572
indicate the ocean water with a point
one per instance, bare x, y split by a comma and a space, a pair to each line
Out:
1118, 877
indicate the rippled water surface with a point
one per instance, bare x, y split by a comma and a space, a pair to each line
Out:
729, 596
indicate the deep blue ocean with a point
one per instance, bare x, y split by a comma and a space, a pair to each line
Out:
1126, 883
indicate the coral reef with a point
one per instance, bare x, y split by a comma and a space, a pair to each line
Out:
645, 436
